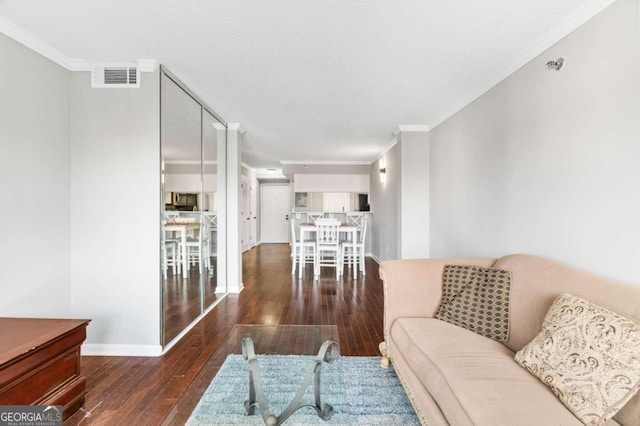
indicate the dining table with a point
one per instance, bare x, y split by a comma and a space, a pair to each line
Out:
308, 228
182, 228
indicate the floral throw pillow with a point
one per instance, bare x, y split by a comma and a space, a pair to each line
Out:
588, 356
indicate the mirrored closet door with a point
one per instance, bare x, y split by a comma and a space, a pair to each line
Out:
191, 137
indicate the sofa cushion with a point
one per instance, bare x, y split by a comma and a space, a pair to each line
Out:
588, 355
536, 282
473, 379
477, 299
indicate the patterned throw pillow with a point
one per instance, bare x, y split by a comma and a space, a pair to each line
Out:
588, 356
477, 299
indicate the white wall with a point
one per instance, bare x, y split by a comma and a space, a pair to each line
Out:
547, 162
414, 194
115, 208
385, 206
34, 182
330, 183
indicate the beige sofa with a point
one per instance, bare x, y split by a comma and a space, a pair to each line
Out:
454, 376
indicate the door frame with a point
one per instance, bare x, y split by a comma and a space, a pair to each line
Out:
262, 185
245, 213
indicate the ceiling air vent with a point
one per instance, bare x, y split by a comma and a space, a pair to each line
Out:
115, 76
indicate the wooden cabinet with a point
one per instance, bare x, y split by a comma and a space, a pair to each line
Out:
40, 362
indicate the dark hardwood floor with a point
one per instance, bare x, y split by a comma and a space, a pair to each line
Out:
181, 299
163, 390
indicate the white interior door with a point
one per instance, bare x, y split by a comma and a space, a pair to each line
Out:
274, 226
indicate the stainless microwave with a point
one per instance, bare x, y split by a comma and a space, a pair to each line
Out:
183, 199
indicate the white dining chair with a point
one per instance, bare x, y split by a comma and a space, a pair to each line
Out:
170, 216
313, 217
307, 251
211, 221
353, 254
170, 246
327, 245
170, 257
354, 219
198, 248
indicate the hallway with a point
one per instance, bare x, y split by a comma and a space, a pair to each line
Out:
137, 390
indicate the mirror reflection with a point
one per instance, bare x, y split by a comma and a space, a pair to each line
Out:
189, 237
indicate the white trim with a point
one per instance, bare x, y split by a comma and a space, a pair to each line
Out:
393, 143
571, 23
109, 349
243, 164
75, 64
375, 259
40, 46
235, 126
146, 65
180, 335
411, 128
323, 163
262, 198
235, 290
233, 207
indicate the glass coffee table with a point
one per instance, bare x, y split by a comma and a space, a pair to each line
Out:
267, 340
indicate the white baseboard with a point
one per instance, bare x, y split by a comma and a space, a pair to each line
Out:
373, 257
235, 290
108, 349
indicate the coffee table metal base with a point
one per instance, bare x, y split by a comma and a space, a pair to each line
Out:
329, 352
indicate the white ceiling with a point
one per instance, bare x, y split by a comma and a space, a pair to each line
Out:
313, 80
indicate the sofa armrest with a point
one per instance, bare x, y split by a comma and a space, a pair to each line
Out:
413, 288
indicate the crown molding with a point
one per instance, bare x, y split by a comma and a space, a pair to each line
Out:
38, 45
325, 163
76, 64
147, 65
235, 126
393, 143
571, 23
411, 128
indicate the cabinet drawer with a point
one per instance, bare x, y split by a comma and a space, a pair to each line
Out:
35, 359
43, 380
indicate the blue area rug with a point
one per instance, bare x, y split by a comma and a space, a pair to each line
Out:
361, 392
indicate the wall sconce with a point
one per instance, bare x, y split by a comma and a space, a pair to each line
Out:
383, 171
555, 65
